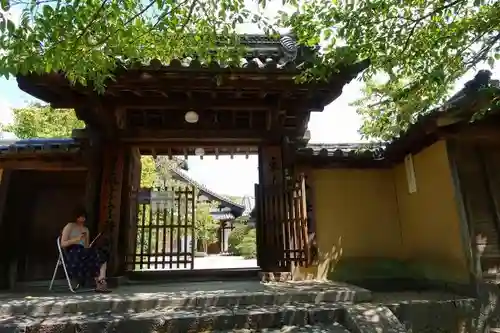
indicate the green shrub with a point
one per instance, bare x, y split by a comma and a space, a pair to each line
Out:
248, 247
236, 237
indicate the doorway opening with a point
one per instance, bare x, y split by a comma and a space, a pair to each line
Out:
196, 213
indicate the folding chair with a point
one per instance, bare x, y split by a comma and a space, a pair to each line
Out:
61, 262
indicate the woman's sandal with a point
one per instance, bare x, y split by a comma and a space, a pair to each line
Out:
102, 286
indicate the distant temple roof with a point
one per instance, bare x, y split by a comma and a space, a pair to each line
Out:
236, 208
222, 215
249, 203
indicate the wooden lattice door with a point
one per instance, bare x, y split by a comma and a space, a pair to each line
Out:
134, 183
282, 233
165, 223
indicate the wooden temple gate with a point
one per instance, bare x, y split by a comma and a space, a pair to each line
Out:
165, 236
174, 109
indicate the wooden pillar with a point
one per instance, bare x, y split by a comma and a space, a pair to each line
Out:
270, 165
271, 176
130, 191
94, 161
113, 155
4, 236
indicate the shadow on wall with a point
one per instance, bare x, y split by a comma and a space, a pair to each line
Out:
323, 264
386, 274
376, 273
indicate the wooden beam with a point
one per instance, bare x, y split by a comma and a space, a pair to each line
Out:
189, 149
37, 164
188, 143
53, 88
261, 82
186, 153
49, 154
215, 135
206, 85
122, 103
95, 115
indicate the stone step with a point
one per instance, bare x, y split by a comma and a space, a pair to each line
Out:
174, 320
139, 302
324, 328
372, 318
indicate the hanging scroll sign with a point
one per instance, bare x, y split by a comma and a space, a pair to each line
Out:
161, 200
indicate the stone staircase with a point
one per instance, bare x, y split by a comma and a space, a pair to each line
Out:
279, 308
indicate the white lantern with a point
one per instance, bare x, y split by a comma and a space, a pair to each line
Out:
199, 151
191, 117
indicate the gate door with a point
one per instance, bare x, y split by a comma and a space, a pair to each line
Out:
282, 235
165, 229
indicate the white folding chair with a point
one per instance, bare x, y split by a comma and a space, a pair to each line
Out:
61, 262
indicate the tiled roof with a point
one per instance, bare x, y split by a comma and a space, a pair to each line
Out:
238, 208
459, 106
38, 146
262, 52
222, 215
249, 203
255, 60
344, 150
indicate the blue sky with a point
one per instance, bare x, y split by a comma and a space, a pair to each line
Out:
337, 123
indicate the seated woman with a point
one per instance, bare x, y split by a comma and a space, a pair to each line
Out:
82, 261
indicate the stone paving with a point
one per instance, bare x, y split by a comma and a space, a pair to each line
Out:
217, 307
331, 328
370, 318
180, 319
139, 298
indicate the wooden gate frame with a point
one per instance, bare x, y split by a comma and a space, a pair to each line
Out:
282, 232
182, 196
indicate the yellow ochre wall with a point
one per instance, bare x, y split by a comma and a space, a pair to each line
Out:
429, 218
369, 226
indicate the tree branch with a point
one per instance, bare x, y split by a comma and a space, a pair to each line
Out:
92, 21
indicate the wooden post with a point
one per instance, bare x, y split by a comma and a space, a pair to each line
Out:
4, 258
130, 190
110, 201
93, 159
270, 175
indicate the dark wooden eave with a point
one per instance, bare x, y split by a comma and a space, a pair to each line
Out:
187, 149
255, 96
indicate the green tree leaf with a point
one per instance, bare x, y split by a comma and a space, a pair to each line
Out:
39, 121
418, 50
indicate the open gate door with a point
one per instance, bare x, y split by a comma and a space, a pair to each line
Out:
282, 235
134, 181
